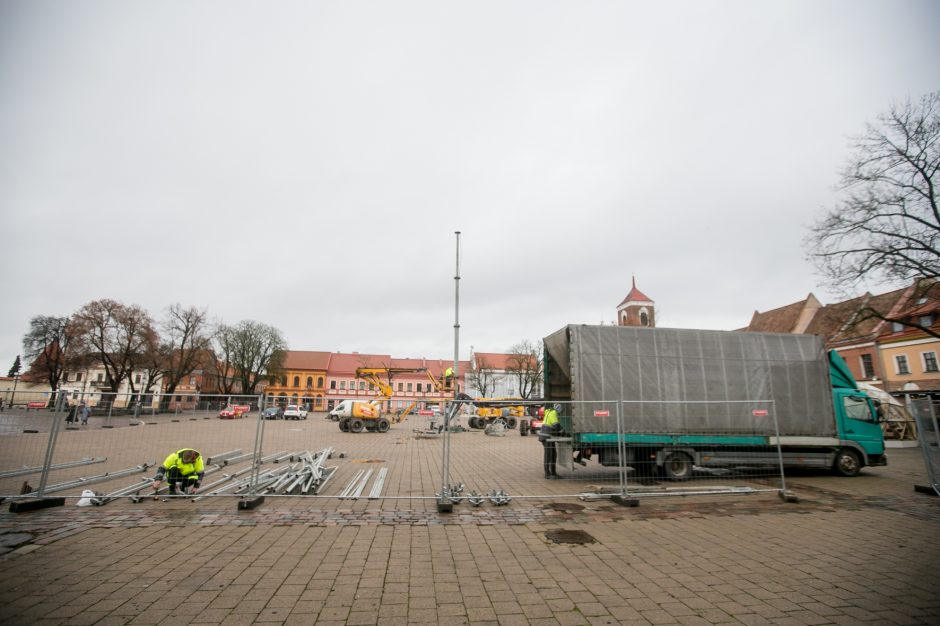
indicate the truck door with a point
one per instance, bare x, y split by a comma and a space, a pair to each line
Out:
859, 423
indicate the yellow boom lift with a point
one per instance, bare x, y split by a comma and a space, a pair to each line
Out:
368, 415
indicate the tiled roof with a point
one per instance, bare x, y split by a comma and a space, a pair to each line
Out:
780, 320
346, 364
492, 360
306, 360
834, 319
866, 325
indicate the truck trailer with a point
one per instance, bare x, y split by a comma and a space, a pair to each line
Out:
675, 399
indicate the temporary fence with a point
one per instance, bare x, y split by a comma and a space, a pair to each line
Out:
471, 453
925, 414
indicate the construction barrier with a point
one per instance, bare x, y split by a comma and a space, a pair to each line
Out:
464, 454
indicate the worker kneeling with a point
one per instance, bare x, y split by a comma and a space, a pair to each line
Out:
184, 467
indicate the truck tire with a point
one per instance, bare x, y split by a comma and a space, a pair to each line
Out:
677, 466
355, 426
510, 422
382, 425
847, 463
344, 425
523, 428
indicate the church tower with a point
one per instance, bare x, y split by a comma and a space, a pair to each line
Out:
636, 309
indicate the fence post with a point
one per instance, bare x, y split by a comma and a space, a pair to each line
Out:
624, 498
40, 502
254, 501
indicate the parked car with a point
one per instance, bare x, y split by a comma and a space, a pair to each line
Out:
295, 412
233, 411
273, 413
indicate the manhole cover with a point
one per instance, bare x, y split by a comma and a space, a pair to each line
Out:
569, 536
565, 506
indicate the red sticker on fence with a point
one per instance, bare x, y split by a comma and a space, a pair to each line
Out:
601, 413
425, 412
759, 412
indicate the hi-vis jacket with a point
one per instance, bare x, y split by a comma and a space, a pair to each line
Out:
185, 469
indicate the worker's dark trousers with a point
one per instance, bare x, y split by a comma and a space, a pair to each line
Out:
549, 457
174, 476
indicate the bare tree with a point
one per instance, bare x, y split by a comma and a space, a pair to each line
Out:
525, 366
115, 335
48, 347
185, 344
886, 228
481, 379
248, 351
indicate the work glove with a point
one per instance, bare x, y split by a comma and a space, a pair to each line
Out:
156, 483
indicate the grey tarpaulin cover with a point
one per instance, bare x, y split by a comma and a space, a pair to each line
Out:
685, 367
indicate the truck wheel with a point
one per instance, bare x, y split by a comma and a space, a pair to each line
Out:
523, 428
510, 422
847, 463
344, 425
382, 425
677, 466
355, 426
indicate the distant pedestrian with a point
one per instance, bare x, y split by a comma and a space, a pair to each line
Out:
1, 405
71, 414
83, 413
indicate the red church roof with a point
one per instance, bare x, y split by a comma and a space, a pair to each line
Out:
635, 295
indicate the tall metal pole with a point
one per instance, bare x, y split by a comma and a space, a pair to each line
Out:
444, 505
457, 315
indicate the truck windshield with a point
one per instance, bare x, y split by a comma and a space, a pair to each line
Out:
857, 408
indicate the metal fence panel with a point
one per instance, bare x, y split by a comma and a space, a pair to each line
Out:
692, 460
928, 433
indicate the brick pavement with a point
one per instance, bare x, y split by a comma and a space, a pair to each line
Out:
851, 551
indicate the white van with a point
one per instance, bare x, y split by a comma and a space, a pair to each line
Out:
343, 409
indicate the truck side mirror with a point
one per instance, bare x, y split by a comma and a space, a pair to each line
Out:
880, 410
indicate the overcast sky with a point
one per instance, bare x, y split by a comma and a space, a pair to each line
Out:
305, 164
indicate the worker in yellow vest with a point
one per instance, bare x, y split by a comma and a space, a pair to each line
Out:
550, 427
184, 467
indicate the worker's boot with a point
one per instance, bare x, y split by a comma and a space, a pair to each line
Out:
172, 489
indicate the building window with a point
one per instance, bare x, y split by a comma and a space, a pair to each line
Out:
342, 384
192, 380
371, 386
868, 367
930, 362
309, 382
926, 321
901, 361
332, 384
418, 387
644, 318
137, 379
409, 387
319, 382
65, 377
296, 381
78, 377
100, 377
897, 327
400, 386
